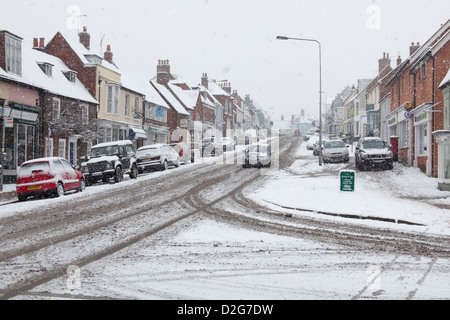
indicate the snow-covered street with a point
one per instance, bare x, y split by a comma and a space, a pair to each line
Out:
233, 233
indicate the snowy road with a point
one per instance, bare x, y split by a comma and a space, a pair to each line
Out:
195, 233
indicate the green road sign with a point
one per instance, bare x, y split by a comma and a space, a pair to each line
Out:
347, 180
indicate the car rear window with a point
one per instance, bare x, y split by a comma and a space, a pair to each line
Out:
33, 168
148, 152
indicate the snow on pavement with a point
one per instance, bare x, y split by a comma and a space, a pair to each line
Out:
402, 194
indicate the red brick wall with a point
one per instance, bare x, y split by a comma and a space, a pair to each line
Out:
422, 163
59, 47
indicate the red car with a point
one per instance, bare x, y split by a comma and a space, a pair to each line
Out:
47, 176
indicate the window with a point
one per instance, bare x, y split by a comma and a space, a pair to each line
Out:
136, 105
47, 68
422, 138
127, 105
404, 134
56, 109
13, 52
62, 148
49, 147
446, 94
71, 76
112, 99
84, 114
108, 134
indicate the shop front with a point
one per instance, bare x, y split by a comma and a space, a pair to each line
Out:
19, 130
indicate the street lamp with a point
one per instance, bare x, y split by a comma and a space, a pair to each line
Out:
320, 90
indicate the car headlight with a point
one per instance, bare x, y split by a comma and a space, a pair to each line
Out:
389, 154
109, 165
84, 169
364, 155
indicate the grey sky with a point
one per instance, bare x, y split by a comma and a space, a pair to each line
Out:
235, 39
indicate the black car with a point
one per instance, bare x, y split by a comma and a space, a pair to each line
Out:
373, 152
110, 160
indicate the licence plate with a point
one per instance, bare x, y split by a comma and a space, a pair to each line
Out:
31, 188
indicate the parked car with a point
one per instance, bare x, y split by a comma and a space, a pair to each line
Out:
335, 151
185, 152
156, 157
228, 144
258, 155
48, 177
373, 152
211, 146
110, 160
311, 141
316, 149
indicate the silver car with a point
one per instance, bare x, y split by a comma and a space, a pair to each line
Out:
335, 151
156, 157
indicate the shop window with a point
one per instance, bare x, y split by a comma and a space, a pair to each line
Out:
49, 147
404, 134
422, 138
62, 148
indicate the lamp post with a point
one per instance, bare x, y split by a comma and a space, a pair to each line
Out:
320, 88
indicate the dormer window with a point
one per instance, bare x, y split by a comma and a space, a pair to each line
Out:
47, 68
70, 75
92, 58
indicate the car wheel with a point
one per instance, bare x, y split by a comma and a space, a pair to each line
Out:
22, 197
82, 185
59, 191
134, 172
177, 163
164, 166
118, 177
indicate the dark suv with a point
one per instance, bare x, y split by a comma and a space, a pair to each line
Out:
110, 160
373, 152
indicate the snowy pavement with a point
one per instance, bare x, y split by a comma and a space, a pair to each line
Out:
403, 195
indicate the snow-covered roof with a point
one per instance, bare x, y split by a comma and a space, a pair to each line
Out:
138, 83
188, 97
170, 97
82, 53
56, 84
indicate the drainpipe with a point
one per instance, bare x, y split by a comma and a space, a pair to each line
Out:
432, 121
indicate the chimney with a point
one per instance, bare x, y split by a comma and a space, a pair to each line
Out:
163, 72
205, 80
85, 38
39, 44
108, 54
384, 62
413, 48
399, 61
227, 87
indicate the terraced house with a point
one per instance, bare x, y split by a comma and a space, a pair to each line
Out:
48, 111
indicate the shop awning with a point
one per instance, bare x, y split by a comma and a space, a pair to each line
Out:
137, 134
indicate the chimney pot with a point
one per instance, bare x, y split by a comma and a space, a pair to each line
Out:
35, 43
84, 29
41, 43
